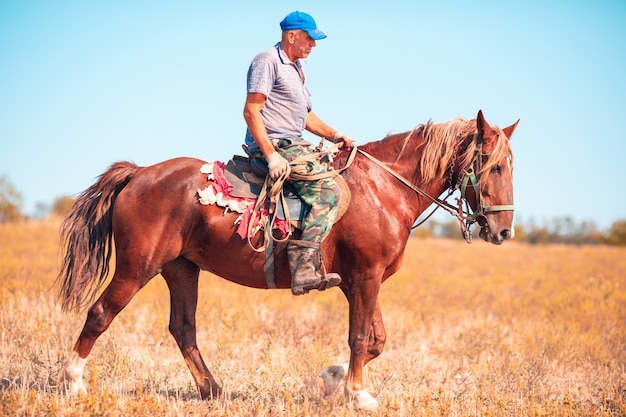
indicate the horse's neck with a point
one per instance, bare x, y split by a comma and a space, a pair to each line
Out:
402, 154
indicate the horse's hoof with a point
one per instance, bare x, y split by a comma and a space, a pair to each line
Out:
71, 387
362, 400
332, 376
71, 377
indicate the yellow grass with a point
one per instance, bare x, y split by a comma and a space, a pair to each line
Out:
473, 330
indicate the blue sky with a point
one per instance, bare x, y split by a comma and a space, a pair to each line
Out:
85, 84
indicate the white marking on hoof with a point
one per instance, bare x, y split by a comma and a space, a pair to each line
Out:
71, 377
362, 400
332, 376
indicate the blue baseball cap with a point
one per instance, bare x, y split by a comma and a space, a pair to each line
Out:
302, 21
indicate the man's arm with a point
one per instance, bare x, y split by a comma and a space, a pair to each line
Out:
316, 126
252, 114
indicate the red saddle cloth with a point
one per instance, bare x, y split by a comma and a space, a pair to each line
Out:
218, 193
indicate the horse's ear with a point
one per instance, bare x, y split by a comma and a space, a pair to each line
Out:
481, 123
508, 131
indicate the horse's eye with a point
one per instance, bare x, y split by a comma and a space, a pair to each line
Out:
497, 169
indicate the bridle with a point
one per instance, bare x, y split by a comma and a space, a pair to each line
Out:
469, 179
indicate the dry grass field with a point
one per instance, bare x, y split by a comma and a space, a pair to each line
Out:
473, 330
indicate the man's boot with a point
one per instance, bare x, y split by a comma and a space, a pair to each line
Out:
304, 261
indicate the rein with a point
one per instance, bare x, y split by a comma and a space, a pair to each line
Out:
440, 203
273, 190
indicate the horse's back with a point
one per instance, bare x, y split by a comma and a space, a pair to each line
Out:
160, 200
161, 180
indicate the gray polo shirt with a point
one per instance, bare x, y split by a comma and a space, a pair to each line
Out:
287, 99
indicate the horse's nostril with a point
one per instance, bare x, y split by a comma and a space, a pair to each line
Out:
506, 234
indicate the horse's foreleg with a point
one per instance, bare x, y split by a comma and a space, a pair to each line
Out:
116, 296
363, 307
333, 375
378, 336
181, 276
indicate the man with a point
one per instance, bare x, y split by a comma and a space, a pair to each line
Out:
277, 110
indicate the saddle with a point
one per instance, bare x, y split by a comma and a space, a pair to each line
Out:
248, 181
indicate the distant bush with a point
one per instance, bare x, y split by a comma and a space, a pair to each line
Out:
10, 202
617, 233
61, 205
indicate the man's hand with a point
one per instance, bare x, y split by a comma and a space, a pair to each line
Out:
348, 142
277, 165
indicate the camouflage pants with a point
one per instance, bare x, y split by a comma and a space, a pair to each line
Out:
322, 196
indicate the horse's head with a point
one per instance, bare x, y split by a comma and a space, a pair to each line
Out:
489, 187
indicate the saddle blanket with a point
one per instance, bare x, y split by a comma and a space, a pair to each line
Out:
218, 193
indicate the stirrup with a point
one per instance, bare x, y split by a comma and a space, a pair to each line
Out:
329, 280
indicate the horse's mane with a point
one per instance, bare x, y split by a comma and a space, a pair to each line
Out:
442, 141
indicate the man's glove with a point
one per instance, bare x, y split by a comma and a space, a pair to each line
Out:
277, 165
348, 142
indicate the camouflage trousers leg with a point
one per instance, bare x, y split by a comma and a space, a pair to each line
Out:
322, 196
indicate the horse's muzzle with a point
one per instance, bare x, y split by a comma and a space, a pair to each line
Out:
495, 238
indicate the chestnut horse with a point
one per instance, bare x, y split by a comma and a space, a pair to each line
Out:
159, 227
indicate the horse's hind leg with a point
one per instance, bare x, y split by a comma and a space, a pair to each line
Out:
181, 276
114, 298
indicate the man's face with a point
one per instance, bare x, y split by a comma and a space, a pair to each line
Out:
303, 44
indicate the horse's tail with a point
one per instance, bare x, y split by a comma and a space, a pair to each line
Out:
86, 238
